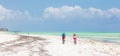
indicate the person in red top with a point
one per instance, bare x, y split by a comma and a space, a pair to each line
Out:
74, 38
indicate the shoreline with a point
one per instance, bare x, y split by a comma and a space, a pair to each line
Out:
52, 46
107, 39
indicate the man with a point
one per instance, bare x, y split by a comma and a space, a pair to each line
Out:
63, 38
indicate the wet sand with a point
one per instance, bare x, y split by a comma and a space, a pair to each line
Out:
25, 46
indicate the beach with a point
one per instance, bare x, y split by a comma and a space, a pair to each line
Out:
50, 45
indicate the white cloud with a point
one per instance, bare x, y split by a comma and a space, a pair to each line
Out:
12, 14
4, 12
78, 12
114, 12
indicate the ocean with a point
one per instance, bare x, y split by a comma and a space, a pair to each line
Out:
115, 37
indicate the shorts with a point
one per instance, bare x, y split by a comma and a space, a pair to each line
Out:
63, 38
74, 39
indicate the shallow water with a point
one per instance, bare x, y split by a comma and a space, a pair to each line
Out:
99, 36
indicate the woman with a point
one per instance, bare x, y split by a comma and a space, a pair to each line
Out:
74, 38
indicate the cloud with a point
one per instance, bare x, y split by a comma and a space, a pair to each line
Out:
83, 19
114, 12
65, 18
15, 19
68, 12
4, 12
8, 14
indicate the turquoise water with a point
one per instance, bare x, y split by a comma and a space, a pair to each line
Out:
99, 36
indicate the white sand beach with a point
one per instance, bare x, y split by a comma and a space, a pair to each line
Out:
6, 37
48, 45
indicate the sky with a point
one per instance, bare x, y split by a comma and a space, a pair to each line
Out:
60, 15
